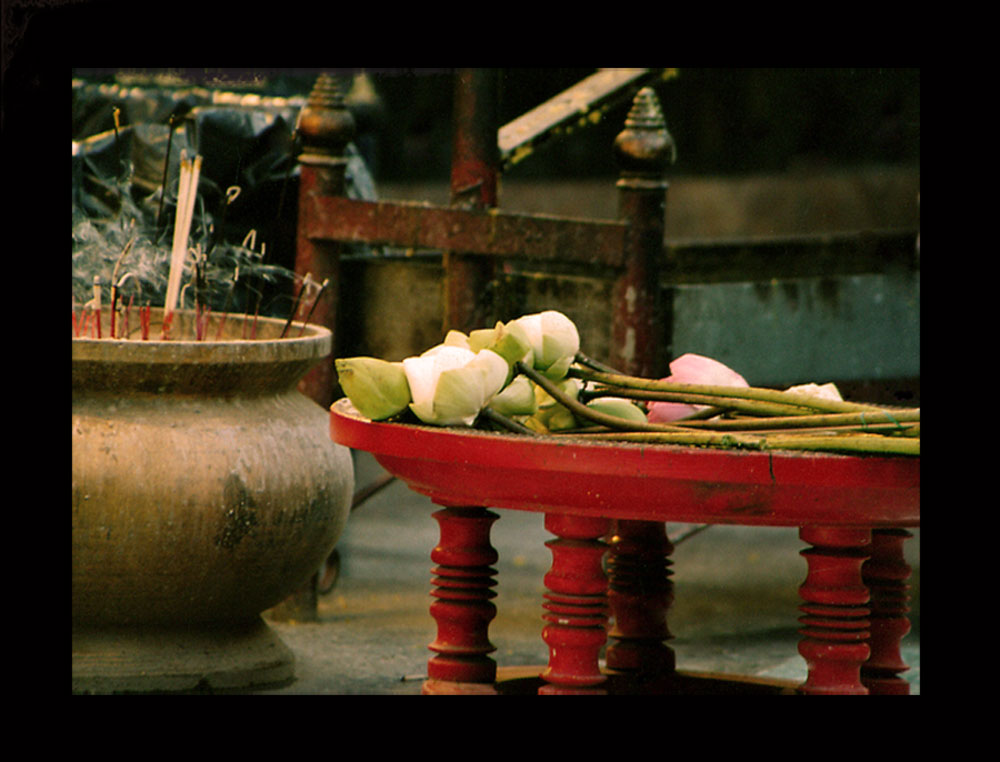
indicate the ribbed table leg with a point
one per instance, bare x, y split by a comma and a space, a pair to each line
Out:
576, 605
640, 592
886, 573
463, 582
835, 626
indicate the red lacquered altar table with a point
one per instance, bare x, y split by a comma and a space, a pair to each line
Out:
614, 498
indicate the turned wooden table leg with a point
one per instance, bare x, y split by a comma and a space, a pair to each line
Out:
885, 574
835, 624
576, 605
640, 592
463, 582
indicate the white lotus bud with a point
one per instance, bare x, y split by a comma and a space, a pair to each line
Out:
618, 407
827, 391
554, 341
377, 388
449, 384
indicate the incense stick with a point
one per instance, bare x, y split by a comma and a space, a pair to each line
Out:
144, 315
229, 299
178, 250
118, 148
305, 322
97, 303
115, 293
218, 229
115, 285
188, 191
166, 170
295, 305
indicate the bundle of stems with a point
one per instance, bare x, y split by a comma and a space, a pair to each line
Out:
737, 417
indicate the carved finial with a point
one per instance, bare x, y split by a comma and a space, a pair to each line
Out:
645, 147
325, 124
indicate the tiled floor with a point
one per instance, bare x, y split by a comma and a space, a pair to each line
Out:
735, 608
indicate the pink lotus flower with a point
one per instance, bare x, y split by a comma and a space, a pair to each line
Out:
692, 369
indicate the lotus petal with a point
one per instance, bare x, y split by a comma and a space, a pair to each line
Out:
618, 407
377, 388
450, 385
692, 369
517, 398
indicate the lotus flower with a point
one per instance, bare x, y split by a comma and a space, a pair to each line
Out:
451, 384
553, 339
692, 369
377, 388
552, 415
824, 391
517, 398
508, 341
618, 407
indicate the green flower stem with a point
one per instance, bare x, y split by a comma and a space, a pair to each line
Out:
697, 438
698, 392
893, 420
593, 364
718, 404
845, 443
504, 422
582, 411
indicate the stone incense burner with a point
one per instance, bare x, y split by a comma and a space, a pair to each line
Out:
206, 490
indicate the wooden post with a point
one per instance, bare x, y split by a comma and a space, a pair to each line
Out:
468, 278
463, 589
640, 331
325, 127
640, 592
886, 573
835, 623
576, 605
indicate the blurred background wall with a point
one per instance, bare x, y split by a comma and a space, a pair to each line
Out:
762, 154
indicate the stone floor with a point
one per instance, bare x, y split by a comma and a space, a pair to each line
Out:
735, 609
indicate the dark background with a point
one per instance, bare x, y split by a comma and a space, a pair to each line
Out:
725, 121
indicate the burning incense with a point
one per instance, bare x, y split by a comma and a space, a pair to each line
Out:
260, 293
232, 193
144, 321
295, 305
198, 279
115, 292
166, 170
188, 191
229, 299
250, 239
201, 322
319, 296
118, 147
96, 304
116, 285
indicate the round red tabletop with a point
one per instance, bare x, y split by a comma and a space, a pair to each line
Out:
669, 483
